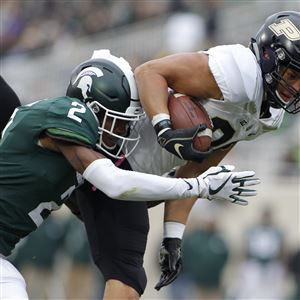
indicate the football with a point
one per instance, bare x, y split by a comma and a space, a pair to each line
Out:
186, 113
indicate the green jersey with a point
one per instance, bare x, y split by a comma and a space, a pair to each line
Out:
33, 180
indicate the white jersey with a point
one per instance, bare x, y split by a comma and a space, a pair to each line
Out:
239, 78
149, 156
235, 118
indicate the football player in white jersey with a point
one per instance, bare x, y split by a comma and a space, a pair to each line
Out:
245, 90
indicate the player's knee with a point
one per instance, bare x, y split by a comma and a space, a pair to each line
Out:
115, 289
132, 275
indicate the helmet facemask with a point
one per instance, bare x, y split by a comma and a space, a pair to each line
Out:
279, 81
109, 122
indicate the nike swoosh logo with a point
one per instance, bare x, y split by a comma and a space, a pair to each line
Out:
190, 186
177, 147
215, 191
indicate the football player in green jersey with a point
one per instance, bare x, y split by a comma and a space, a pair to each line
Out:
50, 146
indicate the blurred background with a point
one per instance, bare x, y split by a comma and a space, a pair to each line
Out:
230, 252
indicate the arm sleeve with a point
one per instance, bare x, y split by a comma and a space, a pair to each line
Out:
129, 185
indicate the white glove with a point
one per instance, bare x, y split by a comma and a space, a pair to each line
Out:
220, 183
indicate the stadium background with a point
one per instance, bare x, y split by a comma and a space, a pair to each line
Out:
42, 41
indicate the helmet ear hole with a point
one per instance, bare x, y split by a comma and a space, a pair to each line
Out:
97, 110
265, 54
100, 114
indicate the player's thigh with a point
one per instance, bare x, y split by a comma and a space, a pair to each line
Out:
12, 283
117, 232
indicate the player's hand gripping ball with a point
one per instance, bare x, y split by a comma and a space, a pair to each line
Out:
186, 113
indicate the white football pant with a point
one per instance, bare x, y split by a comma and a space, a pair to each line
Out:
12, 283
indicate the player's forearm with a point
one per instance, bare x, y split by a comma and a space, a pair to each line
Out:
153, 90
121, 184
134, 186
178, 210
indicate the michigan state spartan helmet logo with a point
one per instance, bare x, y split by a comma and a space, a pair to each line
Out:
84, 80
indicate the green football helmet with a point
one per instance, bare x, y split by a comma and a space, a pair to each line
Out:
105, 83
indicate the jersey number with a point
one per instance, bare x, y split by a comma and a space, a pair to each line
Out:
78, 109
224, 130
43, 210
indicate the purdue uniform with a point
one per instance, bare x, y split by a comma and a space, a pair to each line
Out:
235, 118
238, 116
251, 88
38, 180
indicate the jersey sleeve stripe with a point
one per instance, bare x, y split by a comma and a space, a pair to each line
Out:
68, 136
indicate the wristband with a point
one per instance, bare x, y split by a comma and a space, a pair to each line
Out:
162, 127
173, 230
160, 117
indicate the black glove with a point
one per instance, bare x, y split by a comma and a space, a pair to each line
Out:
170, 261
180, 141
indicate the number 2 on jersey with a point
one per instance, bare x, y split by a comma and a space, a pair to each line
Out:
37, 215
79, 108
